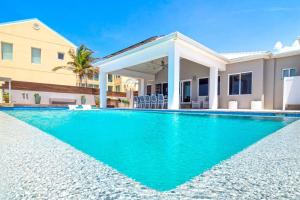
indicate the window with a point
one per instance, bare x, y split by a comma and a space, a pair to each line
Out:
203, 87
185, 91
7, 51
110, 78
109, 88
289, 72
118, 76
165, 89
60, 56
240, 83
96, 76
246, 83
158, 88
118, 88
234, 84
36, 55
149, 89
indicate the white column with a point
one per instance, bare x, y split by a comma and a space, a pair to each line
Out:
141, 87
102, 87
173, 78
213, 88
9, 92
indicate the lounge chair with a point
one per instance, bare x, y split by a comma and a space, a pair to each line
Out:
147, 101
153, 101
86, 107
72, 107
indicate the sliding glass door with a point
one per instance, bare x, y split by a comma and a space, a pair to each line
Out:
185, 91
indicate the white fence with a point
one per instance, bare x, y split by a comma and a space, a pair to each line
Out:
291, 91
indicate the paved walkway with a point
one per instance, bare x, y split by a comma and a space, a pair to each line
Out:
35, 165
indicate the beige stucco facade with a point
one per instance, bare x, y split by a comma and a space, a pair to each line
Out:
27, 34
267, 82
34, 34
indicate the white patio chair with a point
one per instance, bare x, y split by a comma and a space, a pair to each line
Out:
160, 101
136, 102
147, 101
206, 103
153, 101
141, 101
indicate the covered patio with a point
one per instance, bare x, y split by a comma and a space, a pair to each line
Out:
166, 60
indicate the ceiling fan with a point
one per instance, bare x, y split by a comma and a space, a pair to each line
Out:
163, 64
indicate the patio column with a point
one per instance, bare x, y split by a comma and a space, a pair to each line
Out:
213, 88
102, 87
9, 92
141, 87
173, 78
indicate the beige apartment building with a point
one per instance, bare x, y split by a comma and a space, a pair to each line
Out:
29, 50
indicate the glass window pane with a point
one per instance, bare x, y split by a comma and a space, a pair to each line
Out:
109, 88
285, 73
118, 88
36, 55
149, 88
234, 84
186, 90
7, 51
246, 83
109, 77
96, 76
203, 87
158, 88
165, 89
60, 56
292, 72
219, 80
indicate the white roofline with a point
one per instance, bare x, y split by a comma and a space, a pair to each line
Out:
266, 55
174, 35
178, 35
286, 53
36, 19
201, 46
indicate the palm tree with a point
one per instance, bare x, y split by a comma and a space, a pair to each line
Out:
81, 64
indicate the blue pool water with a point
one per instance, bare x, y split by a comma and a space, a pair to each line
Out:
160, 150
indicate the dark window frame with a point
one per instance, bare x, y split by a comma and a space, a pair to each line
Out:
239, 75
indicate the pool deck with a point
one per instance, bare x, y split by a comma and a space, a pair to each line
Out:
35, 165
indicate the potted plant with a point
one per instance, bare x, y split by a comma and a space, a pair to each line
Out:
6, 97
37, 98
83, 100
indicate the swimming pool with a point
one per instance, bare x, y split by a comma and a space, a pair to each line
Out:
161, 150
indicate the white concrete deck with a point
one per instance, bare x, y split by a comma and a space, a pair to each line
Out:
35, 165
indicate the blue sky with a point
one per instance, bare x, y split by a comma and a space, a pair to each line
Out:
108, 26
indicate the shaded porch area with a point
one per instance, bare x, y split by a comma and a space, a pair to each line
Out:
173, 66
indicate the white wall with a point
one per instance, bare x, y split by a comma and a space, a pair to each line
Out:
291, 91
17, 97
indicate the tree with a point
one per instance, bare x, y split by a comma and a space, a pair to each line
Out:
80, 64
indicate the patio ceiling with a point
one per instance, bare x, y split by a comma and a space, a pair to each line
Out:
151, 67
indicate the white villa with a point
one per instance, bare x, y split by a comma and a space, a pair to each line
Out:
186, 71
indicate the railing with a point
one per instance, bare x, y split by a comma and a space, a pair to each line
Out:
45, 87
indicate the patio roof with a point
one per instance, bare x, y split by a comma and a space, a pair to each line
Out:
133, 46
157, 47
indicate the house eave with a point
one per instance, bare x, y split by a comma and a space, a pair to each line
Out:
173, 36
